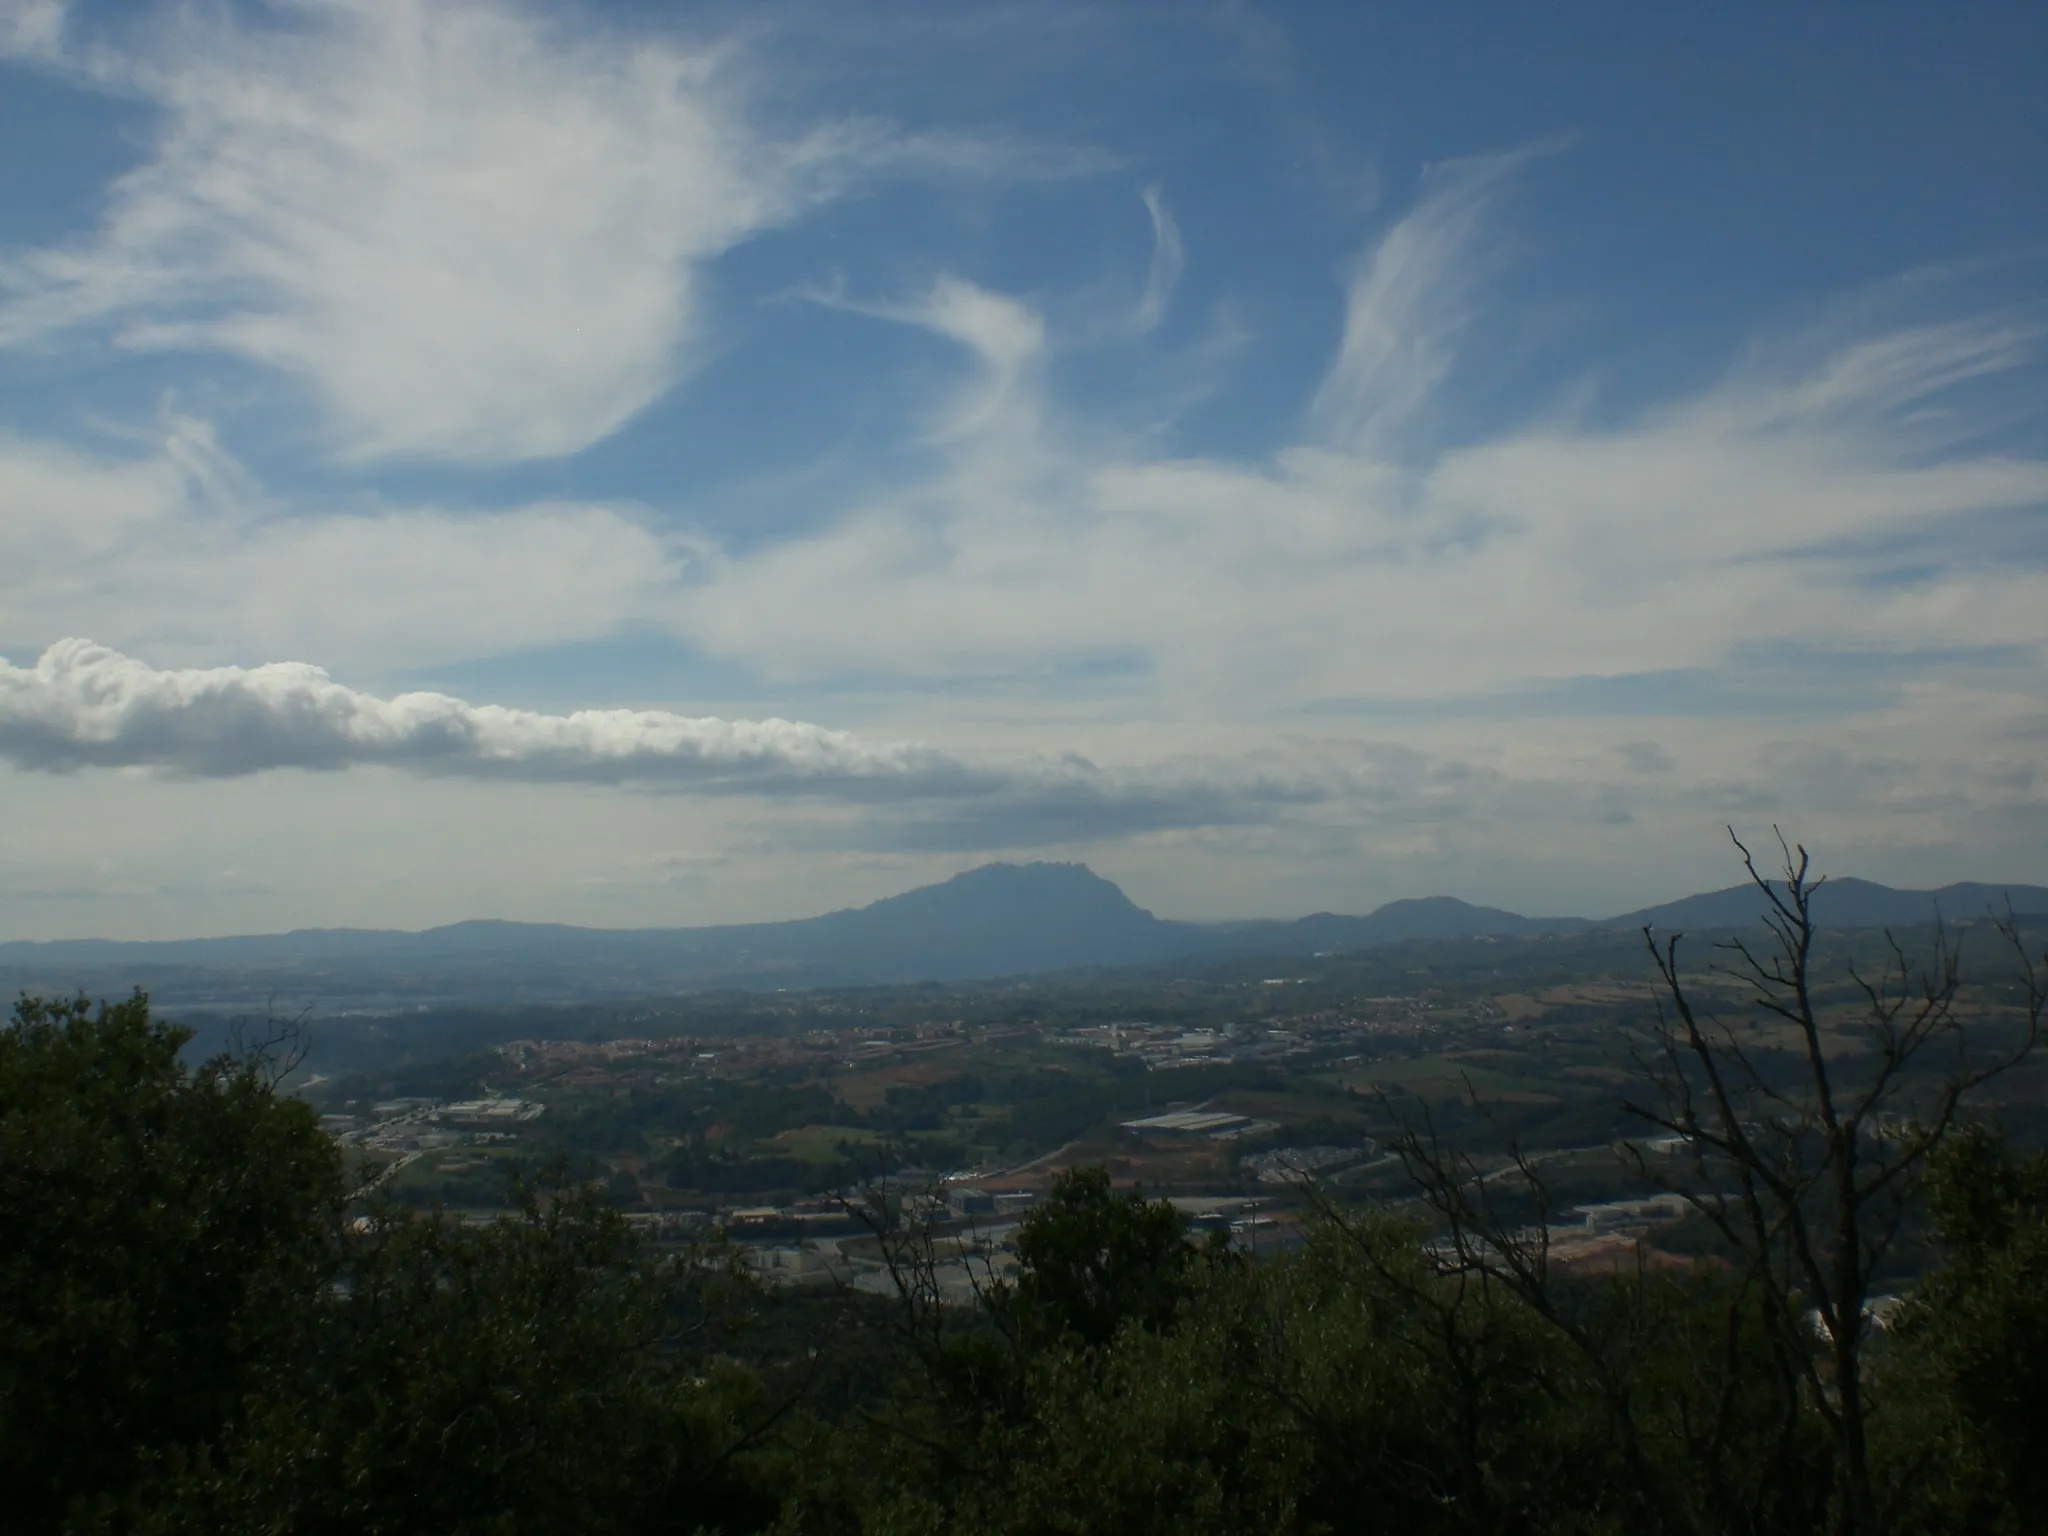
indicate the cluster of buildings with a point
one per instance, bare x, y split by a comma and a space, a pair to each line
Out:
425, 1125
1208, 1124
1301, 1165
957, 1258
1613, 1234
1166, 1046
1609, 1236
965, 1238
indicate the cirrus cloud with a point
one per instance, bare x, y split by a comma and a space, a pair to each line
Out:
473, 235
1830, 492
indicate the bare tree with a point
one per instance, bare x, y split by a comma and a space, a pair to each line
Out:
1452, 1324
1799, 1136
1800, 1139
899, 1221
965, 1352
1493, 1240
272, 1048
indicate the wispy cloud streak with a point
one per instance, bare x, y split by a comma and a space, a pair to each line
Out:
1406, 302
472, 235
1168, 259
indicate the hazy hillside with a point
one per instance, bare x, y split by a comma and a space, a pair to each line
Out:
1845, 903
998, 920
1426, 917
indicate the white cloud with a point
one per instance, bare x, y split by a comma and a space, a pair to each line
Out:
84, 705
1405, 302
1005, 335
1168, 260
472, 234
176, 551
1767, 509
32, 29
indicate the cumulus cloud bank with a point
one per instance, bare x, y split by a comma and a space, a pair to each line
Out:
84, 705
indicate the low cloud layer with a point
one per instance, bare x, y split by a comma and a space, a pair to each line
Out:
84, 705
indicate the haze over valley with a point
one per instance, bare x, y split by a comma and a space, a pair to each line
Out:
997, 921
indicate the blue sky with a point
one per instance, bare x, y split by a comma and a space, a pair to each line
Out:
629, 465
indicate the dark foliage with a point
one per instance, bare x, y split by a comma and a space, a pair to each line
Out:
191, 1339
1095, 1262
163, 1231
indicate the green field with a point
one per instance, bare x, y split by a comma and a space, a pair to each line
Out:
824, 1144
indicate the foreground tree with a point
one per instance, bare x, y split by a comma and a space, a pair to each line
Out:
1974, 1339
536, 1374
1092, 1262
164, 1231
1065, 1399
192, 1339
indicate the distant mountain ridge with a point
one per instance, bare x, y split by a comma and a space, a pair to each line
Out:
994, 921
1844, 903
